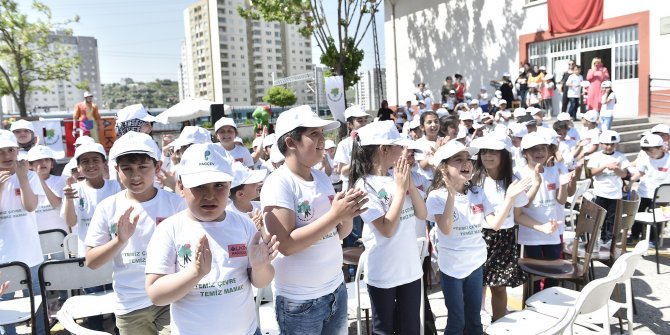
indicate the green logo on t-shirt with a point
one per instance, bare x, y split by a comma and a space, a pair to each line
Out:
185, 254
306, 210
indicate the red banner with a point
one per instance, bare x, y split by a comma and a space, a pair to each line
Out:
567, 16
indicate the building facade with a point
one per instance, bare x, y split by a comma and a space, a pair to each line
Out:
368, 93
428, 40
64, 94
231, 60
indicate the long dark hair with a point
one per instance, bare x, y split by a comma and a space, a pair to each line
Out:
506, 171
361, 160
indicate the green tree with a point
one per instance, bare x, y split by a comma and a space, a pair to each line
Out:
30, 52
280, 96
339, 48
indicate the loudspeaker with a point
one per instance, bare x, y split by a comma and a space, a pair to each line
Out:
216, 111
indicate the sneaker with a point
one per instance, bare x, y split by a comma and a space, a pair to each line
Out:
486, 318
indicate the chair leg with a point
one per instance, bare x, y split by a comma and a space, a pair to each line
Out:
617, 298
367, 321
658, 262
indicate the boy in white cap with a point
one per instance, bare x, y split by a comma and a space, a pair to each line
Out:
309, 219
590, 134
203, 260
608, 166
42, 161
245, 189
226, 131
121, 228
134, 118
25, 134
19, 239
663, 131
483, 97
189, 135
652, 171
81, 140
356, 118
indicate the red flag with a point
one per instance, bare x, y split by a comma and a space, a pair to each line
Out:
574, 15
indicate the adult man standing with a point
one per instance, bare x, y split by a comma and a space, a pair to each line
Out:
563, 89
86, 117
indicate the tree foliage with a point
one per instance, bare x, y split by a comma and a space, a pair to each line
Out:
30, 53
280, 96
161, 93
340, 47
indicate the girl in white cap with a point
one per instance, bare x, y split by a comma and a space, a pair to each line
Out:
494, 174
42, 161
607, 105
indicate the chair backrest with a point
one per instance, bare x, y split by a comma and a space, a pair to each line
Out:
629, 261
581, 188
623, 221
564, 322
661, 197
52, 241
71, 274
71, 245
596, 294
18, 275
589, 221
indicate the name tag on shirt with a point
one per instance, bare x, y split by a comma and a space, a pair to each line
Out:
551, 187
159, 220
17, 192
237, 250
241, 160
663, 169
478, 209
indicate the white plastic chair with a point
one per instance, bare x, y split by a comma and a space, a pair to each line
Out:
265, 313
358, 299
71, 245
571, 213
73, 274
656, 218
551, 299
19, 309
593, 297
52, 243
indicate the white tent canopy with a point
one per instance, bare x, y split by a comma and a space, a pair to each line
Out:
187, 109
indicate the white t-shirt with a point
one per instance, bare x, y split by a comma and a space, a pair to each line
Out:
48, 217
517, 157
222, 299
422, 184
656, 173
607, 109
84, 206
316, 270
464, 250
496, 196
392, 261
241, 154
19, 239
607, 184
256, 205
562, 170
591, 134
128, 264
573, 134
343, 157
426, 146
573, 79
542, 208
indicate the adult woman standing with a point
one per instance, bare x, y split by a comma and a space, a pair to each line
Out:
85, 118
596, 75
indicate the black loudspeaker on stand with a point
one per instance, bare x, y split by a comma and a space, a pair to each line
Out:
216, 111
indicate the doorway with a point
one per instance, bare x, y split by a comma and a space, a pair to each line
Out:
586, 57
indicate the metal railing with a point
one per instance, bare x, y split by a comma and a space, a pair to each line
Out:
658, 100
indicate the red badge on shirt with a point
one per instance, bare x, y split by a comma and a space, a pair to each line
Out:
159, 220
237, 250
17, 192
478, 209
663, 169
330, 198
241, 160
551, 187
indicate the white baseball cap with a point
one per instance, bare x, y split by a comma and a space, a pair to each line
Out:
492, 141
661, 128
465, 116
22, 124
330, 144
91, 147
238, 140
452, 92
542, 68
39, 152
534, 110
518, 130
192, 135
415, 123
136, 111
67, 169
243, 175
7, 139
467, 95
81, 140
134, 143
381, 133
258, 141
486, 116
606, 84
609, 136
462, 132
269, 140
502, 101
301, 116
224, 121
651, 140
442, 111
585, 84
549, 76
474, 102
87, 94
450, 149
478, 125
421, 102
204, 163
532, 140
519, 112
355, 111
563, 116
506, 74
591, 116
276, 155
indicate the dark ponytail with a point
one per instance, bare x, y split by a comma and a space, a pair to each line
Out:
361, 160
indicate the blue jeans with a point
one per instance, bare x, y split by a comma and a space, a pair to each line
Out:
573, 106
607, 122
463, 298
39, 318
324, 315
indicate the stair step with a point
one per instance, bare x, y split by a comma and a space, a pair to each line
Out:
629, 136
631, 156
641, 127
629, 147
621, 122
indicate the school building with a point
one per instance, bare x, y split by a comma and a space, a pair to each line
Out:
428, 40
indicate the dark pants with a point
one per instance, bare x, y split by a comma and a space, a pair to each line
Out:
547, 252
396, 310
564, 102
522, 97
573, 105
638, 227
607, 230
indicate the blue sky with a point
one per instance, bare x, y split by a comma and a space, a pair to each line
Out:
141, 39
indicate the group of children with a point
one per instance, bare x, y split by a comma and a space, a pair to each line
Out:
187, 237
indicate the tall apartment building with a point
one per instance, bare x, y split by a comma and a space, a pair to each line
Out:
230, 59
367, 89
63, 94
